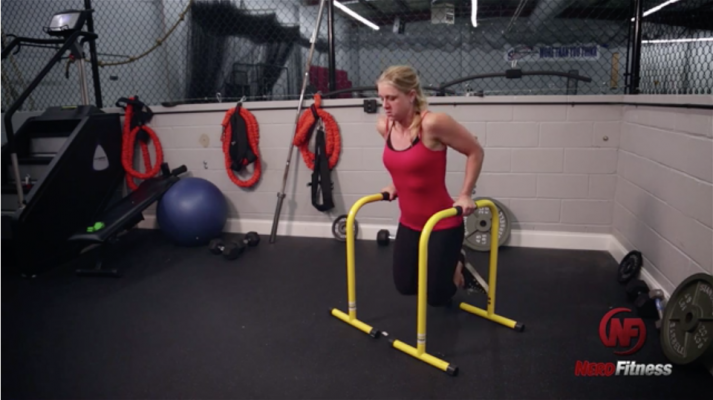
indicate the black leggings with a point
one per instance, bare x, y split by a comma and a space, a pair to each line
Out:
444, 250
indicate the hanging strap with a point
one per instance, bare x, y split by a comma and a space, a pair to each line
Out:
239, 146
321, 179
141, 115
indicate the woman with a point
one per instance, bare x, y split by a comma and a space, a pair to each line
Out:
415, 156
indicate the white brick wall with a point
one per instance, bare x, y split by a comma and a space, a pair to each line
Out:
566, 134
593, 212
695, 122
607, 134
535, 210
562, 186
645, 174
593, 161
537, 160
594, 113
540, 113
533, 152
512, 134
602, 186
663, 203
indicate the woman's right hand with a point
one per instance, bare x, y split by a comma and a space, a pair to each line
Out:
391, 190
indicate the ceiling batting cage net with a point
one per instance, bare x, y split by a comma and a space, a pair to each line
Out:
207, 51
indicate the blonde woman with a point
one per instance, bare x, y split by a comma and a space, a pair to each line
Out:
416, 143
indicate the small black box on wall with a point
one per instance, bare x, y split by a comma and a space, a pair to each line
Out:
370, 106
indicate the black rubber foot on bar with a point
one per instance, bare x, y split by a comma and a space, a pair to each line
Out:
452, 370
519, 327
374, 333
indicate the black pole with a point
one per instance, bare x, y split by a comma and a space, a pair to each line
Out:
332, 62
627, 72
636, 51
93, 54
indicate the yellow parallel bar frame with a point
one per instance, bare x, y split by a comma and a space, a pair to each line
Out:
419, 351
492, 274
351, 317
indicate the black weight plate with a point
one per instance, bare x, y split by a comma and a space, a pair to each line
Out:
687, 323
630, 266
339, 228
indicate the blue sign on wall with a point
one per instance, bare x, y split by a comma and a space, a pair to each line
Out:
554, 53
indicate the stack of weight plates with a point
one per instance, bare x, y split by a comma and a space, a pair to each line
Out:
687, 323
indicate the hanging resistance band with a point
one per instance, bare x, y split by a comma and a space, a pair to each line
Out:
241, 139
326, 154
137, 115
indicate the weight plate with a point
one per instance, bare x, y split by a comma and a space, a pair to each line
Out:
478, 225
687, 322
630, 266
339, 228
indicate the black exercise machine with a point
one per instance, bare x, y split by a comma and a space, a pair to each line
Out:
70, 157
74, 199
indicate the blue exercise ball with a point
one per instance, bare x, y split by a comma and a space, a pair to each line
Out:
192, 212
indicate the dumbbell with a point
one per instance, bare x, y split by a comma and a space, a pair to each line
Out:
228, 250
650, 305
233, 250
635, 288
384, 237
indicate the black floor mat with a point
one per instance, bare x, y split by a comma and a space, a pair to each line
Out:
183, 323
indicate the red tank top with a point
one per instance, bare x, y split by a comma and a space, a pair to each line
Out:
419, 175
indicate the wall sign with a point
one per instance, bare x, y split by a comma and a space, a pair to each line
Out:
589, 52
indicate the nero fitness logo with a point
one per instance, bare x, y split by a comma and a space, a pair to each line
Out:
622, 333
628, 334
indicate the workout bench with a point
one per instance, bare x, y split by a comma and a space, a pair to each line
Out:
419, 351
124, 215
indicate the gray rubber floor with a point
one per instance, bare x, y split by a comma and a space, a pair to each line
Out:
182, 323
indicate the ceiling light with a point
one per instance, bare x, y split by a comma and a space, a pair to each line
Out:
658, 7
356, 16
474, 13
710, 39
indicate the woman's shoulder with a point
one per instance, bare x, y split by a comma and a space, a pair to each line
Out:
432, 121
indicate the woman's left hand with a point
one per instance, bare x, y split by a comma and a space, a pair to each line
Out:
466, 203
